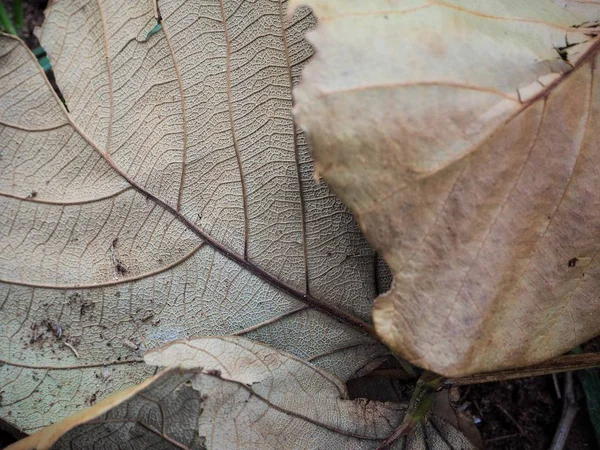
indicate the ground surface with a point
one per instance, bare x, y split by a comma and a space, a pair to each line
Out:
522, 415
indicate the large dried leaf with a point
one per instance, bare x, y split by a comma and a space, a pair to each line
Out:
232, 393
467, 148
174, 198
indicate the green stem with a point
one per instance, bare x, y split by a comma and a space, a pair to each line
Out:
5, 21
18, 14
419, 405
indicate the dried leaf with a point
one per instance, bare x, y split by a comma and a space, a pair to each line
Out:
232, 393
175, 198
467, 147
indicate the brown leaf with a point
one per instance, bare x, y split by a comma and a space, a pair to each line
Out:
232, 393
466, 145
174, 198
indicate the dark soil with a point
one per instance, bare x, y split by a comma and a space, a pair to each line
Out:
513, 415
523, 414
33, 17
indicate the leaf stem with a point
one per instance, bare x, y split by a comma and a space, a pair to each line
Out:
564, 363
419, 405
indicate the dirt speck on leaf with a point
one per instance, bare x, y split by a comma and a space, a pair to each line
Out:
45, 330
119, 266
573, 262
214, 372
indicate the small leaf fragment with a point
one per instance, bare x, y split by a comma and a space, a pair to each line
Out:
154, 30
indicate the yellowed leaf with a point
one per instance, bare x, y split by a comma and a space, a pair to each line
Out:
467, 147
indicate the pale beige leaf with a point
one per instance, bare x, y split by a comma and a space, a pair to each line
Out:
232, 393
174, 199
467, 148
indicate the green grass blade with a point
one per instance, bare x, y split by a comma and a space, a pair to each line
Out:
590, 380
5, 21
18, 14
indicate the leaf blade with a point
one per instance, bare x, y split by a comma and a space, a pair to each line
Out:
94, 240
455, 123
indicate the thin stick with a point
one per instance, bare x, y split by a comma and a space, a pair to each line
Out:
502, 438
72, 348
556, 387
561, 364
564, 363
512, 419
570, 410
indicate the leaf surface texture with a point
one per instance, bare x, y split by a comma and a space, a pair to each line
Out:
462, 134
232, 393
174, 198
